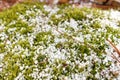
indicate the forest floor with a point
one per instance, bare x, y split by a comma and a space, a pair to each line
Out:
5, 5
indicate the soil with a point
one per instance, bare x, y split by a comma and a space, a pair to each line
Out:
8, 3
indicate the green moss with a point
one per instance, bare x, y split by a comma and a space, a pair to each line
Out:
97, 13
68, 13
44, 37
11, 14
18, 24
10, 69
56, 20
74, 13
42, 61
41, 58
64, 68
27, 73
96, 24
21, 27
77, 14
24, 43
26, 30
75, 50
2, 48
80, 69
63, 6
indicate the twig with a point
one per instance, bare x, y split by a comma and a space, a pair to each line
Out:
113, 45
113, 56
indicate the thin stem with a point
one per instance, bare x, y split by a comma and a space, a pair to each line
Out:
113, 56
113, 45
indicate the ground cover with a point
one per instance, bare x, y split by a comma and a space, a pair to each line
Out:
60, 42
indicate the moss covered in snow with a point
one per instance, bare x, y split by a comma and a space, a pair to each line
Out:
39, 42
